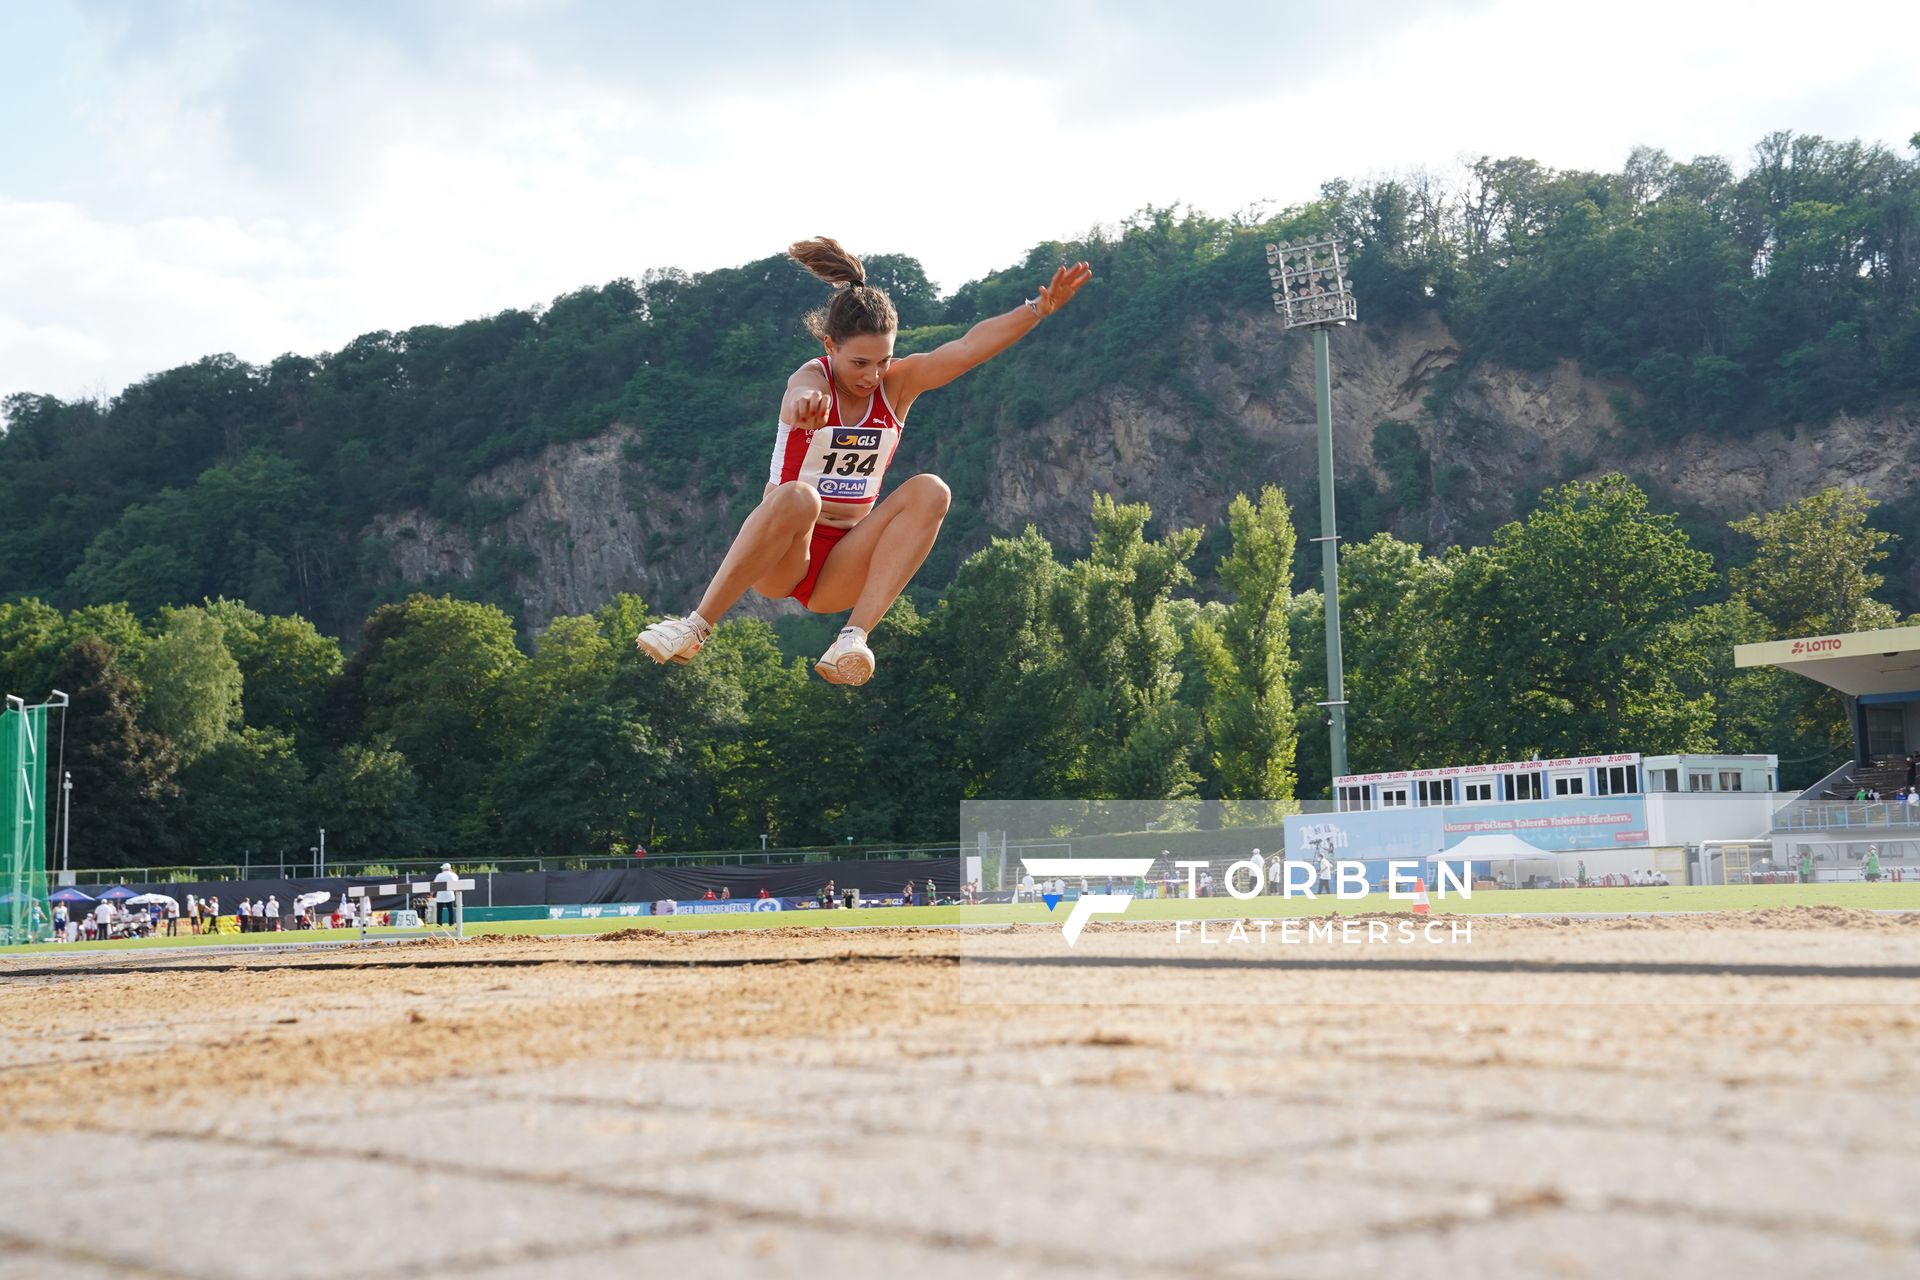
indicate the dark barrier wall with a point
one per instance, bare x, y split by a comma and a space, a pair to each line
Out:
628, 884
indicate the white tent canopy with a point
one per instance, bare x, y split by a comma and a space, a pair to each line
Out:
1494, 848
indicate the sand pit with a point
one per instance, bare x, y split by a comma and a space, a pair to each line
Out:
1624, 1097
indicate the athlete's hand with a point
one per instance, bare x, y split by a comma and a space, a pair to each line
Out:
1065, 283
810, 410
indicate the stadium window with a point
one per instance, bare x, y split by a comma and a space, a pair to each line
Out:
1663, 779
1393, 797
1355, 799
1524, 786
1479, 792
1699, 781
1570, 784
1437, 791
1618, 780
1730, 780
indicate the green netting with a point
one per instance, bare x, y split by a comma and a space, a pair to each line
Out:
23, 825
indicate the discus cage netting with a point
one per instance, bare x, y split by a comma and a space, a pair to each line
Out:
24, 914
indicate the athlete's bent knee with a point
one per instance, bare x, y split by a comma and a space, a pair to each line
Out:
932, 491
796, 501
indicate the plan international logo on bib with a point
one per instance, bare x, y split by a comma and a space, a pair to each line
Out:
834, 487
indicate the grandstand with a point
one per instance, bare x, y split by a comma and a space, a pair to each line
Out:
1877, 673
1538, 822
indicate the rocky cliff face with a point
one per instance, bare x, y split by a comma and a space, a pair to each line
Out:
583, 525
585, 521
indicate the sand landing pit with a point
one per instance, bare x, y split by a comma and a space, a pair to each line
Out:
1676, 1096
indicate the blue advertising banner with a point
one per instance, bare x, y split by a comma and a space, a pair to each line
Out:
1387, 834
1587, 822
1583, 822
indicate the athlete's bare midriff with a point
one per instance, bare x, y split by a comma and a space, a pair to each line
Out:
838, 519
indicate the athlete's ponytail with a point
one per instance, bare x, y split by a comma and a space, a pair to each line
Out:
857, 307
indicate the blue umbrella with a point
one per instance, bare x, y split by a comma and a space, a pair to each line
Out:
70, 894
119, 893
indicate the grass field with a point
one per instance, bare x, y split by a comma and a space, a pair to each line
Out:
1680, 898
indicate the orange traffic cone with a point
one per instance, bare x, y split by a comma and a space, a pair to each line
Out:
1420, 907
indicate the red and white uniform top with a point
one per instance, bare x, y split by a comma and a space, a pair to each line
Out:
844, 463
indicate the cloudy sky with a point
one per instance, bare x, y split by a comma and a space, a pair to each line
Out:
182, 177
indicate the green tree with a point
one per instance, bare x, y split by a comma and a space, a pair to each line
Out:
1812, 567
1120, 644
286, 665
368, 798
193, 684
1573, 619
1249, 705
434, 677
248, 793
1000, 659
125, 792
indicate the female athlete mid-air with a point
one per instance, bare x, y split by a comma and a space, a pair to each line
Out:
820, 534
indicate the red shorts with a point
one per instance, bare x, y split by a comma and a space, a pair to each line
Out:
818, 548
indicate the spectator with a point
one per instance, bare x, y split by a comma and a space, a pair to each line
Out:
933, 893
708, 896
173, 919
726, 893
906, 895
763, 892
271, 917
1580, 874
1872, 869
1206, 882
193, 914
60, 922
243, 914
1259, 862
211, 910
833, 895
1806, 866
1325, 867
1026, 888
443, 899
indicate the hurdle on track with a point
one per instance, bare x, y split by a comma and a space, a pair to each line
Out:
413, 889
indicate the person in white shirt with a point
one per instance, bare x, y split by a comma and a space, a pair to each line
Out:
103, 918
270, 914
1026, 887
443, 894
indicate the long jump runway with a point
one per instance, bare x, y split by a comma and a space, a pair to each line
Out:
1592, 1098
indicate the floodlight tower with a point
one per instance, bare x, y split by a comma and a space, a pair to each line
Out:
1311, 291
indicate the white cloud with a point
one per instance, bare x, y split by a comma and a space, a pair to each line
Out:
260, 180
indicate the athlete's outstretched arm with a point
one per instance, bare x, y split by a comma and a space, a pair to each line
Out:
911, 375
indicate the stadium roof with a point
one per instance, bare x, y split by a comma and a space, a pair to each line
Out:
1858, 663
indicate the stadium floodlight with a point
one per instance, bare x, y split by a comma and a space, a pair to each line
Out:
1311, 291
1310, 285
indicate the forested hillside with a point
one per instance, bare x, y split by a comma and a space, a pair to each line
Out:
1674, 317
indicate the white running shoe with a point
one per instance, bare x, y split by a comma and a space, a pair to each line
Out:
849, 661
674, 639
